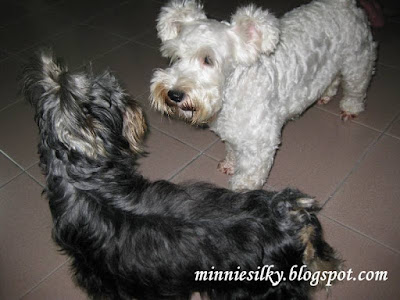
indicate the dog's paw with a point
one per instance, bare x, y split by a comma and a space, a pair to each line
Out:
226, 167
345, 116
323, 100
243, 182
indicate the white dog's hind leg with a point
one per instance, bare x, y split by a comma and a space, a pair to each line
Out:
330, 91
357, 72
227, 166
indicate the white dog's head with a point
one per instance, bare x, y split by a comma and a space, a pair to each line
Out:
203, 52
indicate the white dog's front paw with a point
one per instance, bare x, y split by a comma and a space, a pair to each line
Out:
323, 100
226, 167
346, 116
246, 182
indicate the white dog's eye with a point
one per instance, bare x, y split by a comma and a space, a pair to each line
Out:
173, 60
208, 61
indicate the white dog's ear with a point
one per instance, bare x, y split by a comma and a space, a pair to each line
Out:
256, 30
175, 13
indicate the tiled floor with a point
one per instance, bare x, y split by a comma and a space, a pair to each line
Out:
353, 168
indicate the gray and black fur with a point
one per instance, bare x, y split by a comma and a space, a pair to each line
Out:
130, 238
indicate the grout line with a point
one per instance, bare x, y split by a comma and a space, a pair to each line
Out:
361, 233
99, 56
138, 97
10, 105
396, 117
212, 144
7, 56
360, 160
389, 66
15, 56
175, 138
141, 34
16, 163
22, 170
366, 126
351, 122
386, 131
46, 40
34, 163
101, 28
96, 57
392, 136
210, 156
269, 187
34, 179
9, 157
184, 166
11, 179
144, 44
44, 279
104, 11
353, 169
193, 160
133, 39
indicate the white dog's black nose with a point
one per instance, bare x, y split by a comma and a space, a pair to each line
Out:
176, 96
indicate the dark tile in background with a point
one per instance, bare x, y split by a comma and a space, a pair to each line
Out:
28, 254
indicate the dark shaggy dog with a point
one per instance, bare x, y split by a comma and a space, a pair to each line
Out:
129, 237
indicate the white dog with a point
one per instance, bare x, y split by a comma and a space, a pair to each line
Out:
248, 77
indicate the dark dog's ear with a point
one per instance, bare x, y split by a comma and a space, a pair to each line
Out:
256, 32
134, 126
174, 14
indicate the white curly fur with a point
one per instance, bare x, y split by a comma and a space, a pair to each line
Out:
172, 16
264, 72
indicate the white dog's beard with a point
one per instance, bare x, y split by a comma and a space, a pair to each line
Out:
190, 109
187, 109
